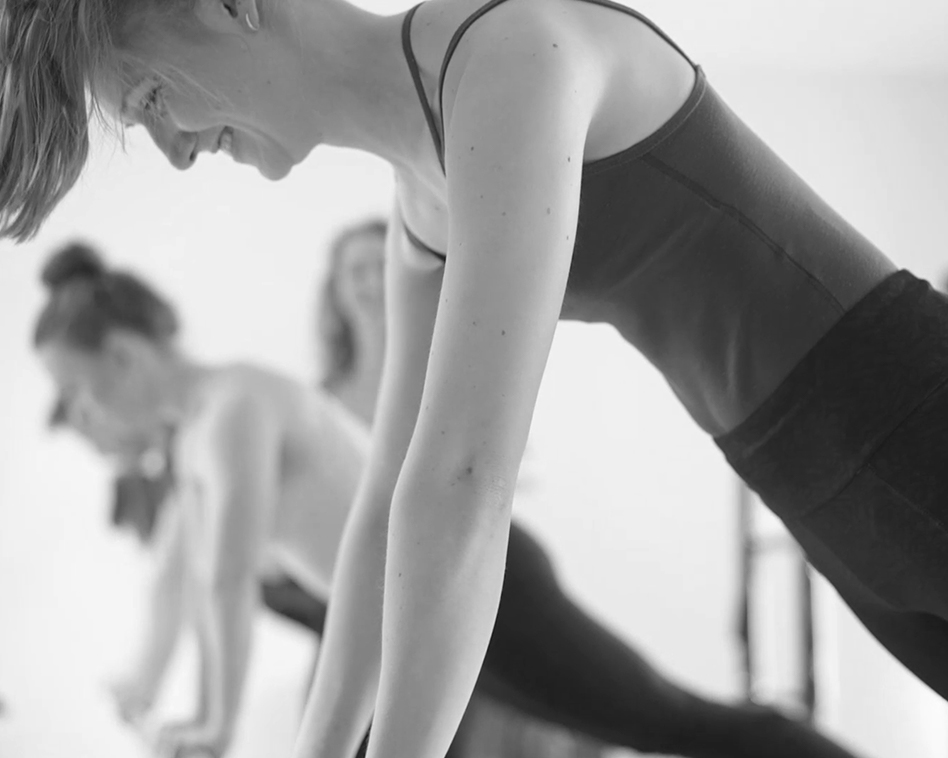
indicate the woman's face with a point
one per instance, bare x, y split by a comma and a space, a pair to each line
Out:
103, 391
110, 437
222, 92
360, 276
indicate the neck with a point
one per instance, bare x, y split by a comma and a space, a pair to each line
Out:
181, 384
358, 389
353, 60
369, 345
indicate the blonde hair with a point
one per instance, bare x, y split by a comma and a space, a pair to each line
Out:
51, 51
334, 327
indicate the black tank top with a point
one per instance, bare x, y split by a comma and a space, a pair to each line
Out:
705, 251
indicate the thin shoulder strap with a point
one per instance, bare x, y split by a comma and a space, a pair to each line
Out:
420, 244
486, 8
452, 46
419, 87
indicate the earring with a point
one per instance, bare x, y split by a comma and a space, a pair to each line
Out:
254, 27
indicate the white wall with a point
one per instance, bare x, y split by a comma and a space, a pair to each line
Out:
634, 502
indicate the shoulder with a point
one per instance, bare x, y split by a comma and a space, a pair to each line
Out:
522, 83
340, 420
520, 40
239, 399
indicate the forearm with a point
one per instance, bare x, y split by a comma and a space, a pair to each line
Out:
227, 619
162, 624
340, 705
203, 669
446, 553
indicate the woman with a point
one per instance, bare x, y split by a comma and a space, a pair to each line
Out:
264, 473
250, 453
143, 504
350, 317
566, 159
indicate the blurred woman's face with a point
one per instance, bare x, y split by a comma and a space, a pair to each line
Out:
124, 444
360, 276
106, 391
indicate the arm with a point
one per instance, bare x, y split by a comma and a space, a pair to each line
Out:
136, 690
204, 654
343, 695
515, 147
238, 475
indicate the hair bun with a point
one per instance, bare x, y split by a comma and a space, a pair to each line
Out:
71, 263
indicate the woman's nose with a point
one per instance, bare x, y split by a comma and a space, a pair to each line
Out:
179, 147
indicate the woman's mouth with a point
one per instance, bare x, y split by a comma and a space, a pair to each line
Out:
226, 141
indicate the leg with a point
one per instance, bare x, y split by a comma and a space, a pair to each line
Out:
882, 541
885, 558
491, 728
850, 452
918, 640
286, 598
554, 662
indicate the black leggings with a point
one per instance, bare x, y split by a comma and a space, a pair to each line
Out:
550, 660
851, 452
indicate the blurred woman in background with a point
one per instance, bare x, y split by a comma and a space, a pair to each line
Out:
143, 503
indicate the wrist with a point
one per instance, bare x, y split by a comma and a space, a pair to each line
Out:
217, 723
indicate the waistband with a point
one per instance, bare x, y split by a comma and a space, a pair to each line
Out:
879, 362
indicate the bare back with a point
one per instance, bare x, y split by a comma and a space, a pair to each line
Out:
317, 452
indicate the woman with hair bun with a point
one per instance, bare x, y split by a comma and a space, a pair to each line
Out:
264, 468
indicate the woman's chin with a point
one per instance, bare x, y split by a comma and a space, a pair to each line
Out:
273, 172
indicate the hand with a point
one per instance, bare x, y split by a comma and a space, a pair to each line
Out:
132, 697
190, 740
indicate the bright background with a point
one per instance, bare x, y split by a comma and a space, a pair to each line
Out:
632, 500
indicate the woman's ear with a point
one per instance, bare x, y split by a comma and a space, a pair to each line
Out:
228, 16
248, 11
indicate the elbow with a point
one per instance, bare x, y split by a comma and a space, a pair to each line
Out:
481, 480
454, 522
465, 464
471, 488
